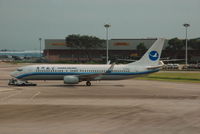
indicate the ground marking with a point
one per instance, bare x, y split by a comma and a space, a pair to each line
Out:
35, 95
11, 95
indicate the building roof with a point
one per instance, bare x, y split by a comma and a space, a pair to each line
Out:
114, 44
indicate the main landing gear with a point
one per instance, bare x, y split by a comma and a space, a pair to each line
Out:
88, 83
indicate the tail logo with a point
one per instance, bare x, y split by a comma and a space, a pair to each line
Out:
153, 55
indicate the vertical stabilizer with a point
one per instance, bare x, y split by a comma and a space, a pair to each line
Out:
152, 56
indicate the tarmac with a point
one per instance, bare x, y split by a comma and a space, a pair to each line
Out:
106, 107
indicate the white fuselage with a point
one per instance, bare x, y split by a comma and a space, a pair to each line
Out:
58, 71
73, 74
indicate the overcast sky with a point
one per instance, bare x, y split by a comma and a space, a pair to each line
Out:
22, 22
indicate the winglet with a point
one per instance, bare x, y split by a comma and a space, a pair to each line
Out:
108, 62
110, 69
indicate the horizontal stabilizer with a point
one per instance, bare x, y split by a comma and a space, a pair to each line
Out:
156, 67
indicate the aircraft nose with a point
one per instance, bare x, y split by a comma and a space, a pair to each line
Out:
13, 74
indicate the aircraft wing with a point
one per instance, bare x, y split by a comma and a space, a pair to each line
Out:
95, 75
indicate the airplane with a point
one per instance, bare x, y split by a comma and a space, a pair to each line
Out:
75, 73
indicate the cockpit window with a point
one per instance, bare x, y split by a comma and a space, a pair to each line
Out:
19, 69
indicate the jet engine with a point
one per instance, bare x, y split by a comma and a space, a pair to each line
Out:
71, 80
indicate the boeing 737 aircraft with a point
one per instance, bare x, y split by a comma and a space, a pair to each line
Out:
73, 74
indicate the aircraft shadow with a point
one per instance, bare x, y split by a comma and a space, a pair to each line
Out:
79, 86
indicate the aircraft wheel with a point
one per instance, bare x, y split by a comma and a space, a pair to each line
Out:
88, 83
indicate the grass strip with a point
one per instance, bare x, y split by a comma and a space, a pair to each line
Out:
182, 77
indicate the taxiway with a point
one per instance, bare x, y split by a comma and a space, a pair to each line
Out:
107, 107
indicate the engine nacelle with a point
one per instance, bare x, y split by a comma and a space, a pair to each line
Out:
71, 80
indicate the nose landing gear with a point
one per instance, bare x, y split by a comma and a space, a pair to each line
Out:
88, 83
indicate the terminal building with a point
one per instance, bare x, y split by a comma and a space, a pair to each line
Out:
119, 49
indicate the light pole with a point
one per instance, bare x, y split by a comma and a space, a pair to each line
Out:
40, 40
186, 25
107, 26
